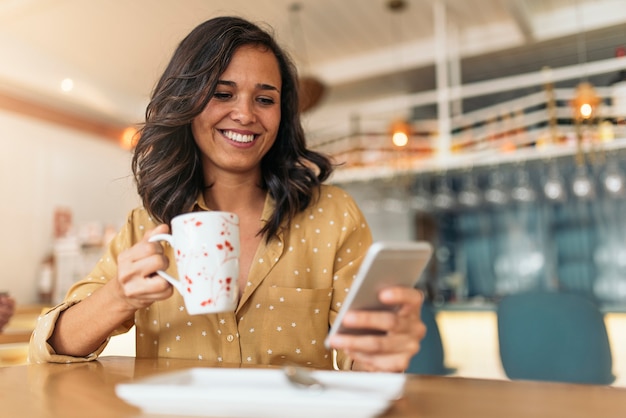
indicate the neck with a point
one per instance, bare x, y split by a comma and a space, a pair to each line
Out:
237, 197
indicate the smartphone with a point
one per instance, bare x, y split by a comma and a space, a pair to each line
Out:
386, 264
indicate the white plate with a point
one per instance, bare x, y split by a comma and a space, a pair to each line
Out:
263, 393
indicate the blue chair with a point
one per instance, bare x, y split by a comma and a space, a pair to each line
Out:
554, 336
430, 358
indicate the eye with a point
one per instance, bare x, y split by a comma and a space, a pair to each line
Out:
222, 95
267, 101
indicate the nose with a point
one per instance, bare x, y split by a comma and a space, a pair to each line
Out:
243, 111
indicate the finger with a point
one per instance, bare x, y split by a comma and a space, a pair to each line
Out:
139, 252
408, 300
382, 321
392, 343
141, 261
392, 364
160, 229
386, 354
401, 296
385, 322
150, 289
144, 247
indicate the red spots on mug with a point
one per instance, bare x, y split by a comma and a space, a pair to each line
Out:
226, 245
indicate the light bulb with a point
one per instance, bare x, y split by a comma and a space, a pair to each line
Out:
128, 138
585, 110
400, 139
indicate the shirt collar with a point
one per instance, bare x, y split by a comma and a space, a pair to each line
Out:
268, 206
200, 203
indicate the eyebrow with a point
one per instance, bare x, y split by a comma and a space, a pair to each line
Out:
261, 86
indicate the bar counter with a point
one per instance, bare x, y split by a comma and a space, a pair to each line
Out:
88, 390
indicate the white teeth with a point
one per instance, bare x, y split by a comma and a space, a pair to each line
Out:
238, 137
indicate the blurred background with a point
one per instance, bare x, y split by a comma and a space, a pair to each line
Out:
494, 129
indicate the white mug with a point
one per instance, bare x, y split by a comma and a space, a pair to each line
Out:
206, 251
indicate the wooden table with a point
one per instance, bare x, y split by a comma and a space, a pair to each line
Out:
87, 390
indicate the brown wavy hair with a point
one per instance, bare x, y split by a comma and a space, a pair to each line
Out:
166, 162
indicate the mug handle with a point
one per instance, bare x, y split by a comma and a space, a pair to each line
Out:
167, 238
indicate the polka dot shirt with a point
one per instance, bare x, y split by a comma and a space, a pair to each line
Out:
296, 286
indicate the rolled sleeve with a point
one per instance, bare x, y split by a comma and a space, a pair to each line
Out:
39, 351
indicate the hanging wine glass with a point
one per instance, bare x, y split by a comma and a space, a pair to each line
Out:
470, 195
443, 197
583, 185
613, 179
372, 199
396, 200
554, 186
523, 191
421, 200
496, 192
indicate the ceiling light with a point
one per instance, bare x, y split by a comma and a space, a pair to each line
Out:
400, 131
400, 128
67, 85
129, 138
585, 102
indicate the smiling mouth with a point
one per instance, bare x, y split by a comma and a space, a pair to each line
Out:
234, 136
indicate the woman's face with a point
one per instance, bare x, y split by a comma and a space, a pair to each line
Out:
240, 123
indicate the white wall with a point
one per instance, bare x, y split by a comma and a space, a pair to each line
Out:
43, 166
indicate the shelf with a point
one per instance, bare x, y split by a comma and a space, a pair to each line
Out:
455, 162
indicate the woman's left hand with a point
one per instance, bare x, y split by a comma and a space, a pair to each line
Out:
403, 329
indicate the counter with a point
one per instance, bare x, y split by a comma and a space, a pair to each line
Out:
88, 389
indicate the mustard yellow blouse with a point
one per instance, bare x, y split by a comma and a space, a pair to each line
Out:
294, 291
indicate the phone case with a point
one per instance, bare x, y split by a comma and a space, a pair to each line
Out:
387, 263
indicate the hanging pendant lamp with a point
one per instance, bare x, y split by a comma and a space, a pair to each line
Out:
310, 88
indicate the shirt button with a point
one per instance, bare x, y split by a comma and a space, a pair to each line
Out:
230, 338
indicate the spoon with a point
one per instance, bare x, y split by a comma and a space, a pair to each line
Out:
302, 378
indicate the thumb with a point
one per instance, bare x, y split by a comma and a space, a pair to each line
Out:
161, 229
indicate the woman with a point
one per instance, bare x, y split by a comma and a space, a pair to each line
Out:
223, 132
7, 308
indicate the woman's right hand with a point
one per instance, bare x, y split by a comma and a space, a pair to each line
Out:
137, 282
82, 328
